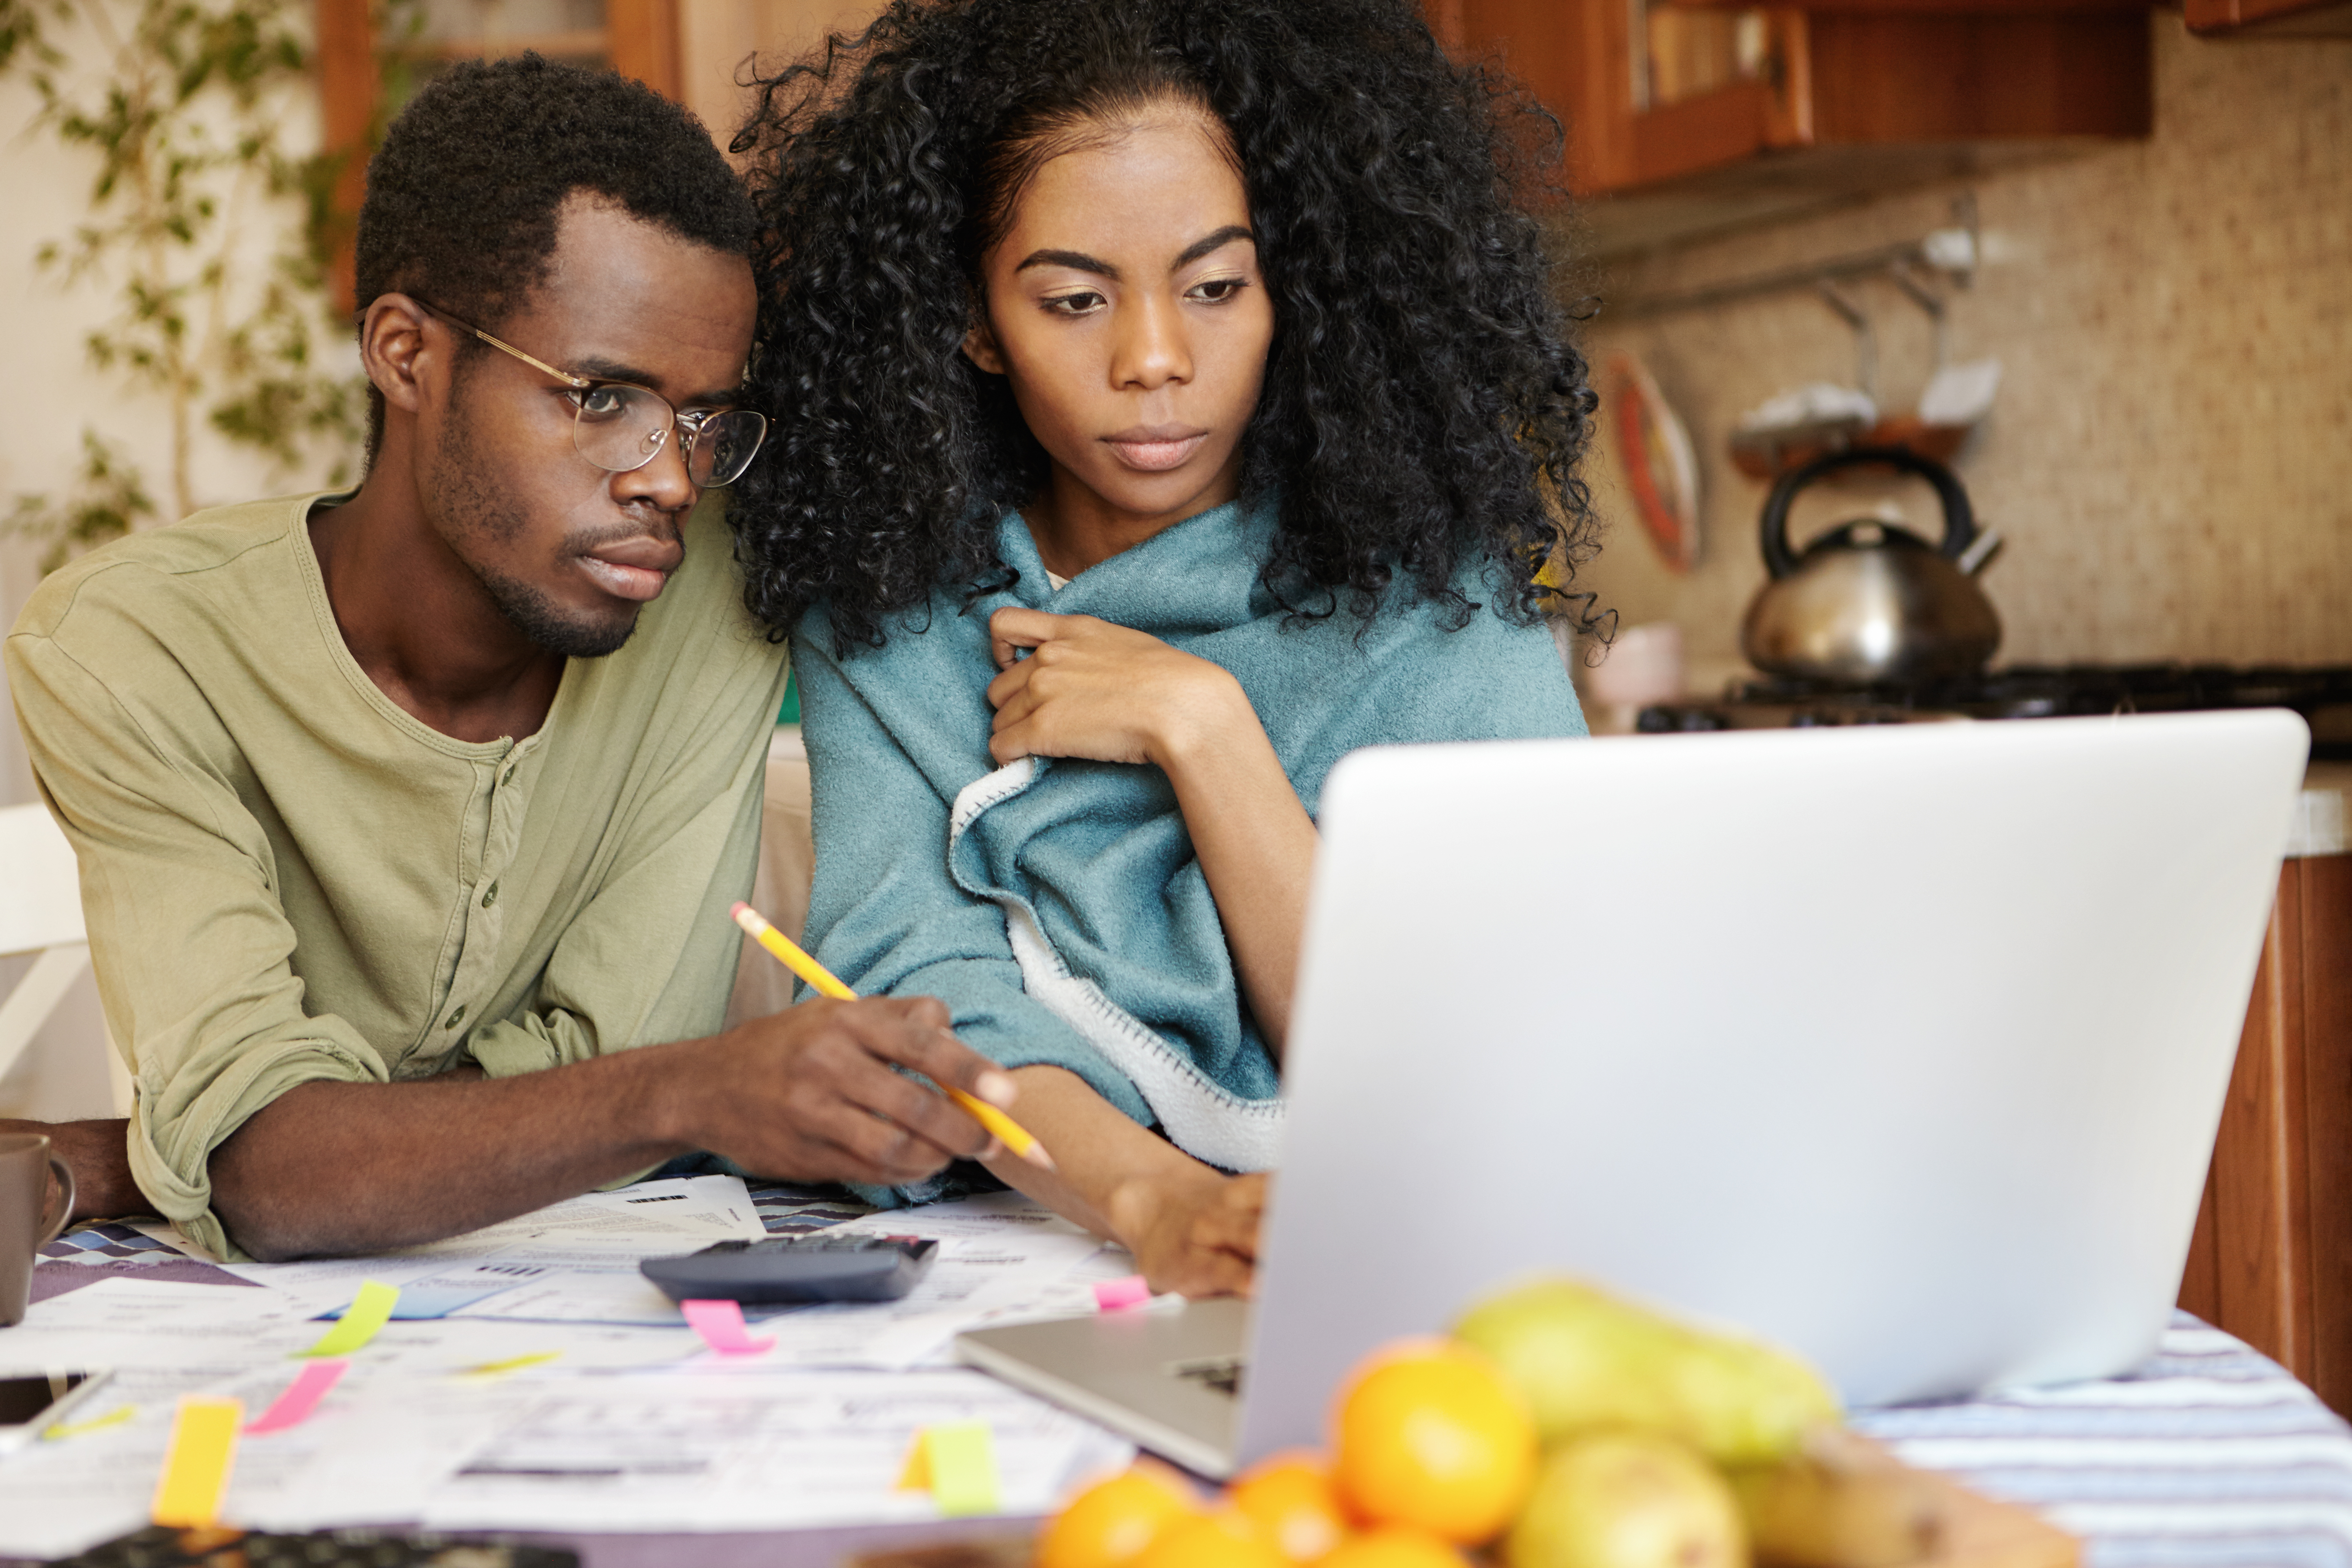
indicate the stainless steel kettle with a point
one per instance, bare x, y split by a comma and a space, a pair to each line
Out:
1869, 601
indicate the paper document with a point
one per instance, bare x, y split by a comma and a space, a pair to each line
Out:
373, 1451
998, 1255
530, 1377
131, 1322
761, 1453
681, 1213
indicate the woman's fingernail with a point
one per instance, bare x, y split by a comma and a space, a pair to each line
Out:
996, 1150
997, 1088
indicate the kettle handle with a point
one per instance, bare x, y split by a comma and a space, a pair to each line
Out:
1959, 522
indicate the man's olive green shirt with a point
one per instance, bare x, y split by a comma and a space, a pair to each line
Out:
288, 878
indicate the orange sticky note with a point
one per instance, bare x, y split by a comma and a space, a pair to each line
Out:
916, 1475
196, 1465
955, 1461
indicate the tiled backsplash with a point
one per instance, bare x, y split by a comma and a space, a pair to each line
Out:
2171, 458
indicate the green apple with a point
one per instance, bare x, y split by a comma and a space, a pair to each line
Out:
1627, 1499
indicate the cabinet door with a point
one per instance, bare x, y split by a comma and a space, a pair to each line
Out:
639, 39
1652, 91
1646, 92
2272, 1260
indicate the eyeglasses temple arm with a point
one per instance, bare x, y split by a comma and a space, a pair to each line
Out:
581, 383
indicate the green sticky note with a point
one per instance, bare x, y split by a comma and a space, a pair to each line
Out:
963, 1467
369, 1311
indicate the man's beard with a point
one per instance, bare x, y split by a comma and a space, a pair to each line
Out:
535, 615
474, 510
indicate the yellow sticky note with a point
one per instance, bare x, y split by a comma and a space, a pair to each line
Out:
65, 1429
369, 1311
956, 1463
916, 1475
512, 1363
196, 1465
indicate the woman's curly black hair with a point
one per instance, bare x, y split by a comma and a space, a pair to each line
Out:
1423, 406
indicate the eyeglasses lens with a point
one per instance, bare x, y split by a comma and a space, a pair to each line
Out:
621, 428
725, 447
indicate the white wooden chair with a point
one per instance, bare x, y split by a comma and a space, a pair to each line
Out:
40, 913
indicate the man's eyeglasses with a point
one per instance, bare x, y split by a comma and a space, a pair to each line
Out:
621, 427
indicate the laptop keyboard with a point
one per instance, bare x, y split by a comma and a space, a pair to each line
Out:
158, 1547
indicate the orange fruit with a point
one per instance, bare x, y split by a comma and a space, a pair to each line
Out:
1112, 1523
1225, 1538
1431, 1435
1291, 1499
1395, 1546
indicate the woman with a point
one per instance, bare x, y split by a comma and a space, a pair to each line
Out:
1169, 399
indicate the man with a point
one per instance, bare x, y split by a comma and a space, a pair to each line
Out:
400, 815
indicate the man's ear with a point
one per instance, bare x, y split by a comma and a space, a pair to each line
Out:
979, 347
395, 352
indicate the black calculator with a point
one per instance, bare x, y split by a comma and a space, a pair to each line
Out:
818, 1267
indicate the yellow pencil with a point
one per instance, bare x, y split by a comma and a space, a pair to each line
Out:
788, 952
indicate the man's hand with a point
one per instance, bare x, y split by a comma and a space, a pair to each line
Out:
808, 1094
1089, 689
1194, 1233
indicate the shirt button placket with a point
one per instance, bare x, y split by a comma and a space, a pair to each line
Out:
481, 943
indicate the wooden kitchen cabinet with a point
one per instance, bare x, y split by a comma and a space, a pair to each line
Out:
2269, 18
2272, 1260
1690, 117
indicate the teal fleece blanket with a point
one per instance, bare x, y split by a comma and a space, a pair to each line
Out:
1055, 906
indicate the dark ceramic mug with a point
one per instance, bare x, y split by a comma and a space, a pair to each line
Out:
24, 1226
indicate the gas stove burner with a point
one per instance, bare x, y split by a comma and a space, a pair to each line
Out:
2323, 695
1698, 718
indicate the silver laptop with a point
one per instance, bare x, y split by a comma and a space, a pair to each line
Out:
1903, 1046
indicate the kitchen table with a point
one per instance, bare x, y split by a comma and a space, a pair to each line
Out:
2207, 1455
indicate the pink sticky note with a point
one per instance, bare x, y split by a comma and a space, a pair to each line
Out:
293, 1407
720, 1324
1116, 1295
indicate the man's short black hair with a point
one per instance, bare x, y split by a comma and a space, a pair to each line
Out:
462, 198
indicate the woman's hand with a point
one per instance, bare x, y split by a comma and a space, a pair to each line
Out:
1089, 689
1195, 1233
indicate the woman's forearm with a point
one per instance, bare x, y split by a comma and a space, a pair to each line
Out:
1096, 1150
1256, 845
1190, 1227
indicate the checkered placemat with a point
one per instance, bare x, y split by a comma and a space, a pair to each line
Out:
788, 1210
106, 1241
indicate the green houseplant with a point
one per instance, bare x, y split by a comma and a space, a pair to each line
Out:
179, 104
